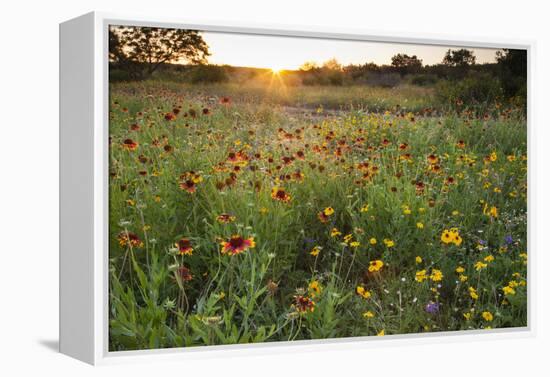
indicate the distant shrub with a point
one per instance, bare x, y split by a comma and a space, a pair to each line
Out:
323, 76
477, 88
207, 74
116, 75
424, 79
310, 80
335, 78
384, 80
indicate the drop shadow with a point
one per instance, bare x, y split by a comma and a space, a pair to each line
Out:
52, 345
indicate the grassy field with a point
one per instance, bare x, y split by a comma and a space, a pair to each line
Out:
257, 92
235, 218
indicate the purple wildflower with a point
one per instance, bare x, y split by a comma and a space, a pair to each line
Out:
508, 240
432, 307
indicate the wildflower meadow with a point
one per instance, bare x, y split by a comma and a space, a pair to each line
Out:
238, 218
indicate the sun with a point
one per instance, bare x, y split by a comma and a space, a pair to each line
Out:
276, 69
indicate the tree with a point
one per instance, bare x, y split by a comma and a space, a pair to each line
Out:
404, 63
332, 64
142, 50
308, 66
459, 58
513, 60
512, 70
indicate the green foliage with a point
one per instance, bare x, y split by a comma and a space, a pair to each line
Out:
512, 70
424, 79
277, 290
207, 74
323, 76
481, 90
404, 63
142, 50
383, 80
459, 58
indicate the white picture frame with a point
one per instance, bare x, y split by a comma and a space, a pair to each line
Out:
84, 189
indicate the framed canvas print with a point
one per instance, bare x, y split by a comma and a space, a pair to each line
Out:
241, 188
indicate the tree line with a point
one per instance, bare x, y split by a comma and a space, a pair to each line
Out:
140, 52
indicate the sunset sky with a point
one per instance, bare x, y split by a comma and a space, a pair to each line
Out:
291, 52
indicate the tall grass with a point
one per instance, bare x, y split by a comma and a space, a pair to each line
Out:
375, 99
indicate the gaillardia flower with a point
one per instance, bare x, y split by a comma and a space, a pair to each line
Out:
279, 193
129, 239
170, 116
239, 158
129, 144
303, 304
189, 180
433, 159
237, 244
184, 247
225, 218
322, 217
184, 274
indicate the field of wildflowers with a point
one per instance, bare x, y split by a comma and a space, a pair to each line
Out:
233, 222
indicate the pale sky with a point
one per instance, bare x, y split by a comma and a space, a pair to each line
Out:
263, 51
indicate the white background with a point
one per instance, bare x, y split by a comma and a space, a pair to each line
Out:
29, 184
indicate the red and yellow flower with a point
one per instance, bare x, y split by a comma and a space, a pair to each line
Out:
279, 193
130, 144
239, 158
325, 214
184, 246
225, 218
188, 181
129, 239
237, 245
170, 116
303, 304
184, 274
432, 159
